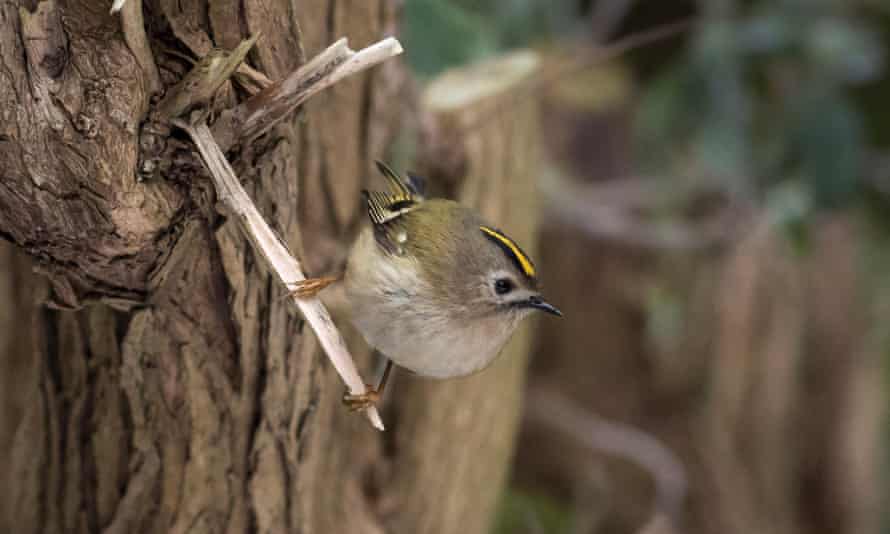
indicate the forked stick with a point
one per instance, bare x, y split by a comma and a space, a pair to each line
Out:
286, 268
251, 119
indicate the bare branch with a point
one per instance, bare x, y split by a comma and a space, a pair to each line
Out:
250, 79
612, 210
602, 436
286, 268
267, 108
252, 118
116, 6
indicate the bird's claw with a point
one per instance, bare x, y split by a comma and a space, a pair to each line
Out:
357, 402
309, 287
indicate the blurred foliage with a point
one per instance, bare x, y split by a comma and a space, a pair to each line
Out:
524, 512
778, 103
770, 97
439, 34
762, 104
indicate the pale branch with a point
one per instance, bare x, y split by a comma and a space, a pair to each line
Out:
250, 79
252, 118
285, 266
615, 211
268, 107
117, 5
601, 436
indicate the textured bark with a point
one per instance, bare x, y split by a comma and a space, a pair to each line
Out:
195, 403
19, 291
181, 394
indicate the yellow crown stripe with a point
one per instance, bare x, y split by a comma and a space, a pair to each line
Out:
524, 262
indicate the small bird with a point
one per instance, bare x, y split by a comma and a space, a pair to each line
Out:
431, 285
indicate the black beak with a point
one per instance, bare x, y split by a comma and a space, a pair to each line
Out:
540, 304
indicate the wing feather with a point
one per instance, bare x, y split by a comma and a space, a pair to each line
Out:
384, 209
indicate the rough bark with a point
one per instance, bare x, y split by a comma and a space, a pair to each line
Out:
19, 291
180, 393
196, 403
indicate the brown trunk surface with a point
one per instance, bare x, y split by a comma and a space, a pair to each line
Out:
159, 384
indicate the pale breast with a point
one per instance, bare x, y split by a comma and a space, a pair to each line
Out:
388, 308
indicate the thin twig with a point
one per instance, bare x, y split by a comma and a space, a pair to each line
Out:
250, 79
556, 410
271, 105
260, 113
116, 6
611, 211
286, 268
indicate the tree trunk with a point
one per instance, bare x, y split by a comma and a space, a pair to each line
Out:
458, 435
161, 384
18, 288
182, 395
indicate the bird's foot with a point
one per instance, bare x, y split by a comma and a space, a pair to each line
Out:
310, 287
356, 402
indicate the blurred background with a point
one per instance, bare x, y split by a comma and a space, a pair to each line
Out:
715, 224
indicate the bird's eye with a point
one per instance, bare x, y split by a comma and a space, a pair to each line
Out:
503, 286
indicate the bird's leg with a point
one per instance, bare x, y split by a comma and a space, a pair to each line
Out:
370, 397
310, 287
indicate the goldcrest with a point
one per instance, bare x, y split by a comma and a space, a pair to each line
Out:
433, 286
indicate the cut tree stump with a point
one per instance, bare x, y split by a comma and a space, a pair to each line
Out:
455, 438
